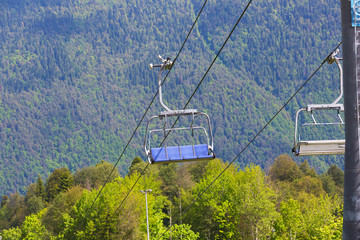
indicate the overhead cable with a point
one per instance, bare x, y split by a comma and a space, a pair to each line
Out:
137, 127
254, 138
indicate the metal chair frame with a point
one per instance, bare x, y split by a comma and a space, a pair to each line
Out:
321, 147
166, 65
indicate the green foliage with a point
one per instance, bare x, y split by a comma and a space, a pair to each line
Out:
239, 204
59, 181
197, 170
95, 176
337, 175
320, 213
182, 231
13, 213
290, 225
305, 168
226, 226
310, 185
12, 234
4, 200
106, 220
53, 219
333, 181
34, 204
32, 227
310, 217
137, 165
169, 176
40, 187
330, 186
285, 169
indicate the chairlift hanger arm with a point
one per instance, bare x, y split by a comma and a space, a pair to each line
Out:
334, 105
166, 65
331, 59
337, 60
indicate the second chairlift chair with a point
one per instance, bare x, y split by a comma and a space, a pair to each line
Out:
322, 147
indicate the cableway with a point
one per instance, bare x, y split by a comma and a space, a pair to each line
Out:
197, 87
254, 138
137, 127
151, 102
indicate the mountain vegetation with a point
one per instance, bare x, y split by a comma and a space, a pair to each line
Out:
74, 83
201, 200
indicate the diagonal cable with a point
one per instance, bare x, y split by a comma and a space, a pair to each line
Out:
197, 87
212, 63
192, 27
254, 138
137, 127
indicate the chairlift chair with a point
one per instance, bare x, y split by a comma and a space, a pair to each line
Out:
179, 153
321, 147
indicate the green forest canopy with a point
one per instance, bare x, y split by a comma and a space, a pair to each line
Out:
290, 201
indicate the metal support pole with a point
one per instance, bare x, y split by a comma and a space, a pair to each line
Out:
147, 214
351, 223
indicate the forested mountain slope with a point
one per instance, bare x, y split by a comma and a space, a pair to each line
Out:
74, 77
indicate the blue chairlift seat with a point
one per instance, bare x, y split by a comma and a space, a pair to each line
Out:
181, 153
